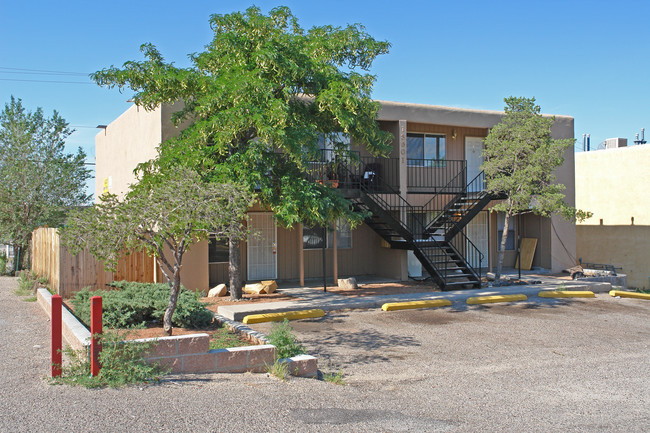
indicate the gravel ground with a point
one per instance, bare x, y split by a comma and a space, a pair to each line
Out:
577, 366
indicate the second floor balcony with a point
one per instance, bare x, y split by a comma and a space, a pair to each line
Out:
422, 176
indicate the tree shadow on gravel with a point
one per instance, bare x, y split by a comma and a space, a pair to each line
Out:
357, 343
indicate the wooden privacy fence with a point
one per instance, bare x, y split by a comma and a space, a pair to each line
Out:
68, 274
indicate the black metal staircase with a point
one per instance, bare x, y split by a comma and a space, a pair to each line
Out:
403, 226
434, 231
460, 210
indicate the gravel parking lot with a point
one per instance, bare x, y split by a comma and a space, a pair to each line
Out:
581, 365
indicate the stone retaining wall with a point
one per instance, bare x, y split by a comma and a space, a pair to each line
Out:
74, 332
191, 353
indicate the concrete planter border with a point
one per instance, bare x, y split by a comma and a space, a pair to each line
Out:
191, 353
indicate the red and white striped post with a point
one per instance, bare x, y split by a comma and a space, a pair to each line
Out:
95, 331
57, 335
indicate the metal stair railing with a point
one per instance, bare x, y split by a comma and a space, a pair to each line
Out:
472, 186
392, 202
412, 219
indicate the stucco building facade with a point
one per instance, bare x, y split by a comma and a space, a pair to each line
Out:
432, 145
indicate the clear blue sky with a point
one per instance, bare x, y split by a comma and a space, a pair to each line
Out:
586, 59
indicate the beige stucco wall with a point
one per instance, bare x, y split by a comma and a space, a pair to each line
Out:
194, 274
130, 139
627, 247
612, 184
127, 141
563, 232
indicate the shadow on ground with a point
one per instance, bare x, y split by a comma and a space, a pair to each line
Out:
353, 342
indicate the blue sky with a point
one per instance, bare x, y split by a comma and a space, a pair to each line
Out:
586, 59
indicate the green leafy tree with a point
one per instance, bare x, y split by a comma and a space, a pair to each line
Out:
520, 161
39, 181
255, 103
163, 214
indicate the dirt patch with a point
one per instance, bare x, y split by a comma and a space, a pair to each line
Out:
214, 331
156, 330
378, 289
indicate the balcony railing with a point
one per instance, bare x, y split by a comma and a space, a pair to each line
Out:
353, 171
431, 175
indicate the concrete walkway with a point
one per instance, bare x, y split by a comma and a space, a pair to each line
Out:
313, 297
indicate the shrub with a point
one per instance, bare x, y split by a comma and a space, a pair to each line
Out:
122, 364
281, 336
278, 369
3, 263
334, 377
133, 304
28, 282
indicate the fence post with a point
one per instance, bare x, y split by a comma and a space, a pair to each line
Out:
57, 335
95, 331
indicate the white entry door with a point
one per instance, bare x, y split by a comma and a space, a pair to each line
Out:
262, 247
473, 156
477, 232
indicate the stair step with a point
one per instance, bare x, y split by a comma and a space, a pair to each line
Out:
461, 283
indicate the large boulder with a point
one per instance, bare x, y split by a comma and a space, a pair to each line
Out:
270, 286
348, 283
217, 291
267, 287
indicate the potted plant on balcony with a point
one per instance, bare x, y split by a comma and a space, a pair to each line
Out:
331, 175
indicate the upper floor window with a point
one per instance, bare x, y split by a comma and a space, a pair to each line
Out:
422, 148
333, 144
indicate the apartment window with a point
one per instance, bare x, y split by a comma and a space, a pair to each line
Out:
421, 149
312, 237
333, 143
218, 250
511, 241
343, 236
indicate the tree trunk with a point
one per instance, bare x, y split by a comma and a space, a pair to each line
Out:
17, 256
234, 269
502, 248
175, 286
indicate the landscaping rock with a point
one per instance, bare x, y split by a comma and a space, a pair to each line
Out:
270, 286
267, 287
348, 283
490, 276
253, 289
219, 290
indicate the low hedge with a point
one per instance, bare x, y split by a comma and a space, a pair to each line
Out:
134, 304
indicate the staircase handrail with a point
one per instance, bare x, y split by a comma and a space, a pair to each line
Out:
474, 249
454, 200
447, 189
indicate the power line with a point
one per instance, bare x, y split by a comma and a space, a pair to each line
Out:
45, 81
42, 71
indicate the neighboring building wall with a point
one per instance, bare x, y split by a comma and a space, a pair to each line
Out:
612, 184
127, 141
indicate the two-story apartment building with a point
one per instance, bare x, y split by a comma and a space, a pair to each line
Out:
430, 213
